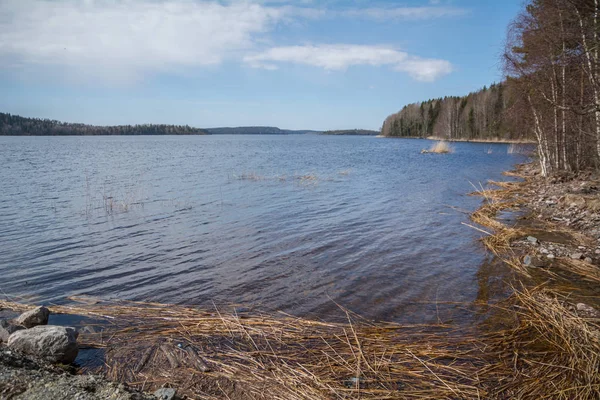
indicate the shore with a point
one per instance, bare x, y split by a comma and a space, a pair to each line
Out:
541, 342
442, 139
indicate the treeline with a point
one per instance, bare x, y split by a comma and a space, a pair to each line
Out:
351, 132
19, 126
551, 62
255, 130
477, 116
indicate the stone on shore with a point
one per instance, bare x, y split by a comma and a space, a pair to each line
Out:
576, 256
165, 394
530, 261
55, 344
35, 317
587, 310
7, 329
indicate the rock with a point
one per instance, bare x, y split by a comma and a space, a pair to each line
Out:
550, 256
532, 240
35, 317
597, 251
165, 394
586, 310
588, 260
7, 329
55, 344
576, 256
544, 251
529, 261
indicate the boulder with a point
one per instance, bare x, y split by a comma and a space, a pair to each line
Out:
7, 329
35, 317
56, 344
576, 256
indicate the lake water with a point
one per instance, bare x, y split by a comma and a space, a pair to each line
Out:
294, 223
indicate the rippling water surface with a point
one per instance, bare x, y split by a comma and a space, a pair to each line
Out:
292, 223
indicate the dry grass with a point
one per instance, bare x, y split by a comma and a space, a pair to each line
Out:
440, 147
544, 351
213, 355
552, 353
499, 239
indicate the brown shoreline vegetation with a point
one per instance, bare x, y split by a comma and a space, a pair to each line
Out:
537, 344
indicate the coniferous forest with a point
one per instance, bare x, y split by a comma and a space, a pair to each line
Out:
477, 116
20, 126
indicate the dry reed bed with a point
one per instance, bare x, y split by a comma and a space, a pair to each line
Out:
553, 353
213, 355
544, 351
441, 147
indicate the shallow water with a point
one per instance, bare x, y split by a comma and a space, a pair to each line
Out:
294, 223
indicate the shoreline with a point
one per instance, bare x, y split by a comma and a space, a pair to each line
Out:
490, 141
265, 356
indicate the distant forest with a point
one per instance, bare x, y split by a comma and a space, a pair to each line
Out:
255, 130
19, 126
14, 125
477, 116
352, 132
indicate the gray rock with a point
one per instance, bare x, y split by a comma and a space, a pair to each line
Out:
550, 256
588, 260
55, 344
7, 329
35, 317
529, 261
165, 394
576, 256
597, 251
586, 310
532, 239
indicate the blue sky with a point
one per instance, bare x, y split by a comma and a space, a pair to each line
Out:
293, 64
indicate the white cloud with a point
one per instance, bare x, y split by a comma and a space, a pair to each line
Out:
342, 56
123, 38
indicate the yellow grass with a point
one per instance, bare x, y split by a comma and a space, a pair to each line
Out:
440, 147
543, 351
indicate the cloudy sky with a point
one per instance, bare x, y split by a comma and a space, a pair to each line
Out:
303, 64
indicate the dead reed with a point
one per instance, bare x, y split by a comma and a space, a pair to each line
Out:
552, 353
543, 350
215, 355
440, 147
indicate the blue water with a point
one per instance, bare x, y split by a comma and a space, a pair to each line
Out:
294, 223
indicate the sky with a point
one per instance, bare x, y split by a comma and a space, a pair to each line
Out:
303, 64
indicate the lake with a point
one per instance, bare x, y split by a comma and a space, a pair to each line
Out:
298, 223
